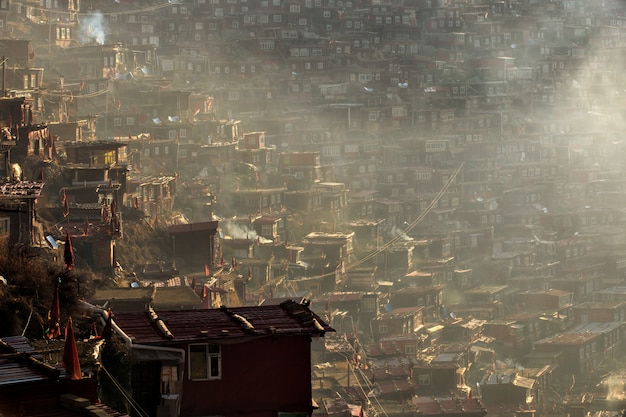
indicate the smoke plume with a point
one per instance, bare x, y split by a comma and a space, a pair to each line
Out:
93, 28
238, 231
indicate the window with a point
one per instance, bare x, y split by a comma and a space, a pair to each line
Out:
382, 328
205, 362
423, 379
5, 223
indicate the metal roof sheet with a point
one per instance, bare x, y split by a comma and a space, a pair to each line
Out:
288, 318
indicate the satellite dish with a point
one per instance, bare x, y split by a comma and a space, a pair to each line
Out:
134, 285
52, 242
452, 315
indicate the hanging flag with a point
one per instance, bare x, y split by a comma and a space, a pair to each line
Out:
70, 353
193, 283
94, 332
206, 270
249, 274
41, 175
66, 206
206, 300
108, 326
68, 253
54, 316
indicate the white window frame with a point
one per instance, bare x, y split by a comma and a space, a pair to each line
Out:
210, 374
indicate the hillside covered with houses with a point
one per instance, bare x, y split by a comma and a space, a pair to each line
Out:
313, 208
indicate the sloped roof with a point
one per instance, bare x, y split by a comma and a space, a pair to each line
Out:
122, 294
171, 296
18, 367
287, 318
36, 389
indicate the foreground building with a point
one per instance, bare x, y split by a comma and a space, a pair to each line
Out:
253, 361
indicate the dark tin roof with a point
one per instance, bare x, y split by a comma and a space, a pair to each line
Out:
18, 367
287, 318
22, 189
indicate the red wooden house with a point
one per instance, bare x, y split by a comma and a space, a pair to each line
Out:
253, 361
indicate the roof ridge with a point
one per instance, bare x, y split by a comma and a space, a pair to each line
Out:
239, 319
160, 324
301, 313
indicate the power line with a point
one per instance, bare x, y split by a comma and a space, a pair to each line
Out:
87, 14
126, 395
410, 227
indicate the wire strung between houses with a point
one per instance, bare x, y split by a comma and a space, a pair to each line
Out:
368, 383
415, 222
410, 227
84, 14
126, 395
73, 96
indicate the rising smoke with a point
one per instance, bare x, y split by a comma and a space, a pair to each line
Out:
93, 28
238, 231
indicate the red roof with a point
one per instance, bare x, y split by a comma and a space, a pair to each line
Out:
287, 318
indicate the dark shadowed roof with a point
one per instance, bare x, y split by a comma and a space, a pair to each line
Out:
18, 367
287, 318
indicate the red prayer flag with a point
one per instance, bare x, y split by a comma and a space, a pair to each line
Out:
193, 283
249, 273
66, 206
206, 270
68, 253
54, 316
70, 353
205, 297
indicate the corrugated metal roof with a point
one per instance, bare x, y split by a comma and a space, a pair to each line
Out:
288, 318
18, 367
